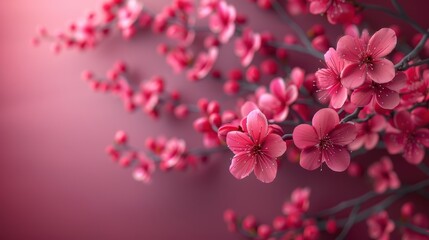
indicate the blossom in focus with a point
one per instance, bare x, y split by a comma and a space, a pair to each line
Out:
368, 133
256, 149
407, 137
365, 58
380, 226
386, 95
329, 79
337, 11
325, 141
383, 175
276, 104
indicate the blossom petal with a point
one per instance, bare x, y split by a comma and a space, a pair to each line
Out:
269, 103
377, 123
382, 42
291, 94
304, 136
333, 61
247, 108
371, 140
238, 142
278, 87
265, 169
350, 48
386, 98
414, 153
398, 82
362, 96
273, 146
339, 97
381, 71
343, 134
311, 158
422, 135
324, 121
395, 142
242, 165
337, 158
257, 125
403, 121
353, 76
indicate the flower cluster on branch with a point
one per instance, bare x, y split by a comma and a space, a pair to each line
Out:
370, 90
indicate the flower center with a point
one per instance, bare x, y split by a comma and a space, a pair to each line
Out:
325, 143
256, 150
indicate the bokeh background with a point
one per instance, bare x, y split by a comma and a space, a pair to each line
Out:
56, 182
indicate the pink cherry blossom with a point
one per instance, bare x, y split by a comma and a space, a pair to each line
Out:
325, 141
386, 95
276, 104
203, 64
329, 79
380, 226
223, 21
143, 173
383, 175
407, 138
368, 133
337, 11
299, 202
247, 45
207, 7
179, 59
182, 33
365, 59
173, 152
255, 149
129, 14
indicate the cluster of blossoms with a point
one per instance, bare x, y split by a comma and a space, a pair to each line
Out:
370, 92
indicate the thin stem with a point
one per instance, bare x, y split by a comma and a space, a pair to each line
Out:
352, 115
297, 48
413, 227
346, 204
418, 63
403, 64
423, 168
287, 136
349, 223
393, 14
287, 19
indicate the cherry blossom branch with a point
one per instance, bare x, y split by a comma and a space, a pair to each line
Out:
404, 63
413, 227
352, 115
405, 18
349, 223
423, 168
297, 29
297, 48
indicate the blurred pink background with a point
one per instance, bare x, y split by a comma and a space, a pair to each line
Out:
57, 182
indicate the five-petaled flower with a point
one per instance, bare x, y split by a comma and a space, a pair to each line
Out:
256, 149
383, 175
365, 58
325, 141
407, 138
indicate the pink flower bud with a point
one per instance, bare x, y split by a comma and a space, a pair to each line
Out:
231, 87
253, 74
202, 124
181, 111
264, 231
235, 75
249, 223
280, 223
320, 43
229, 216
121, 137
269, 67
331, 226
